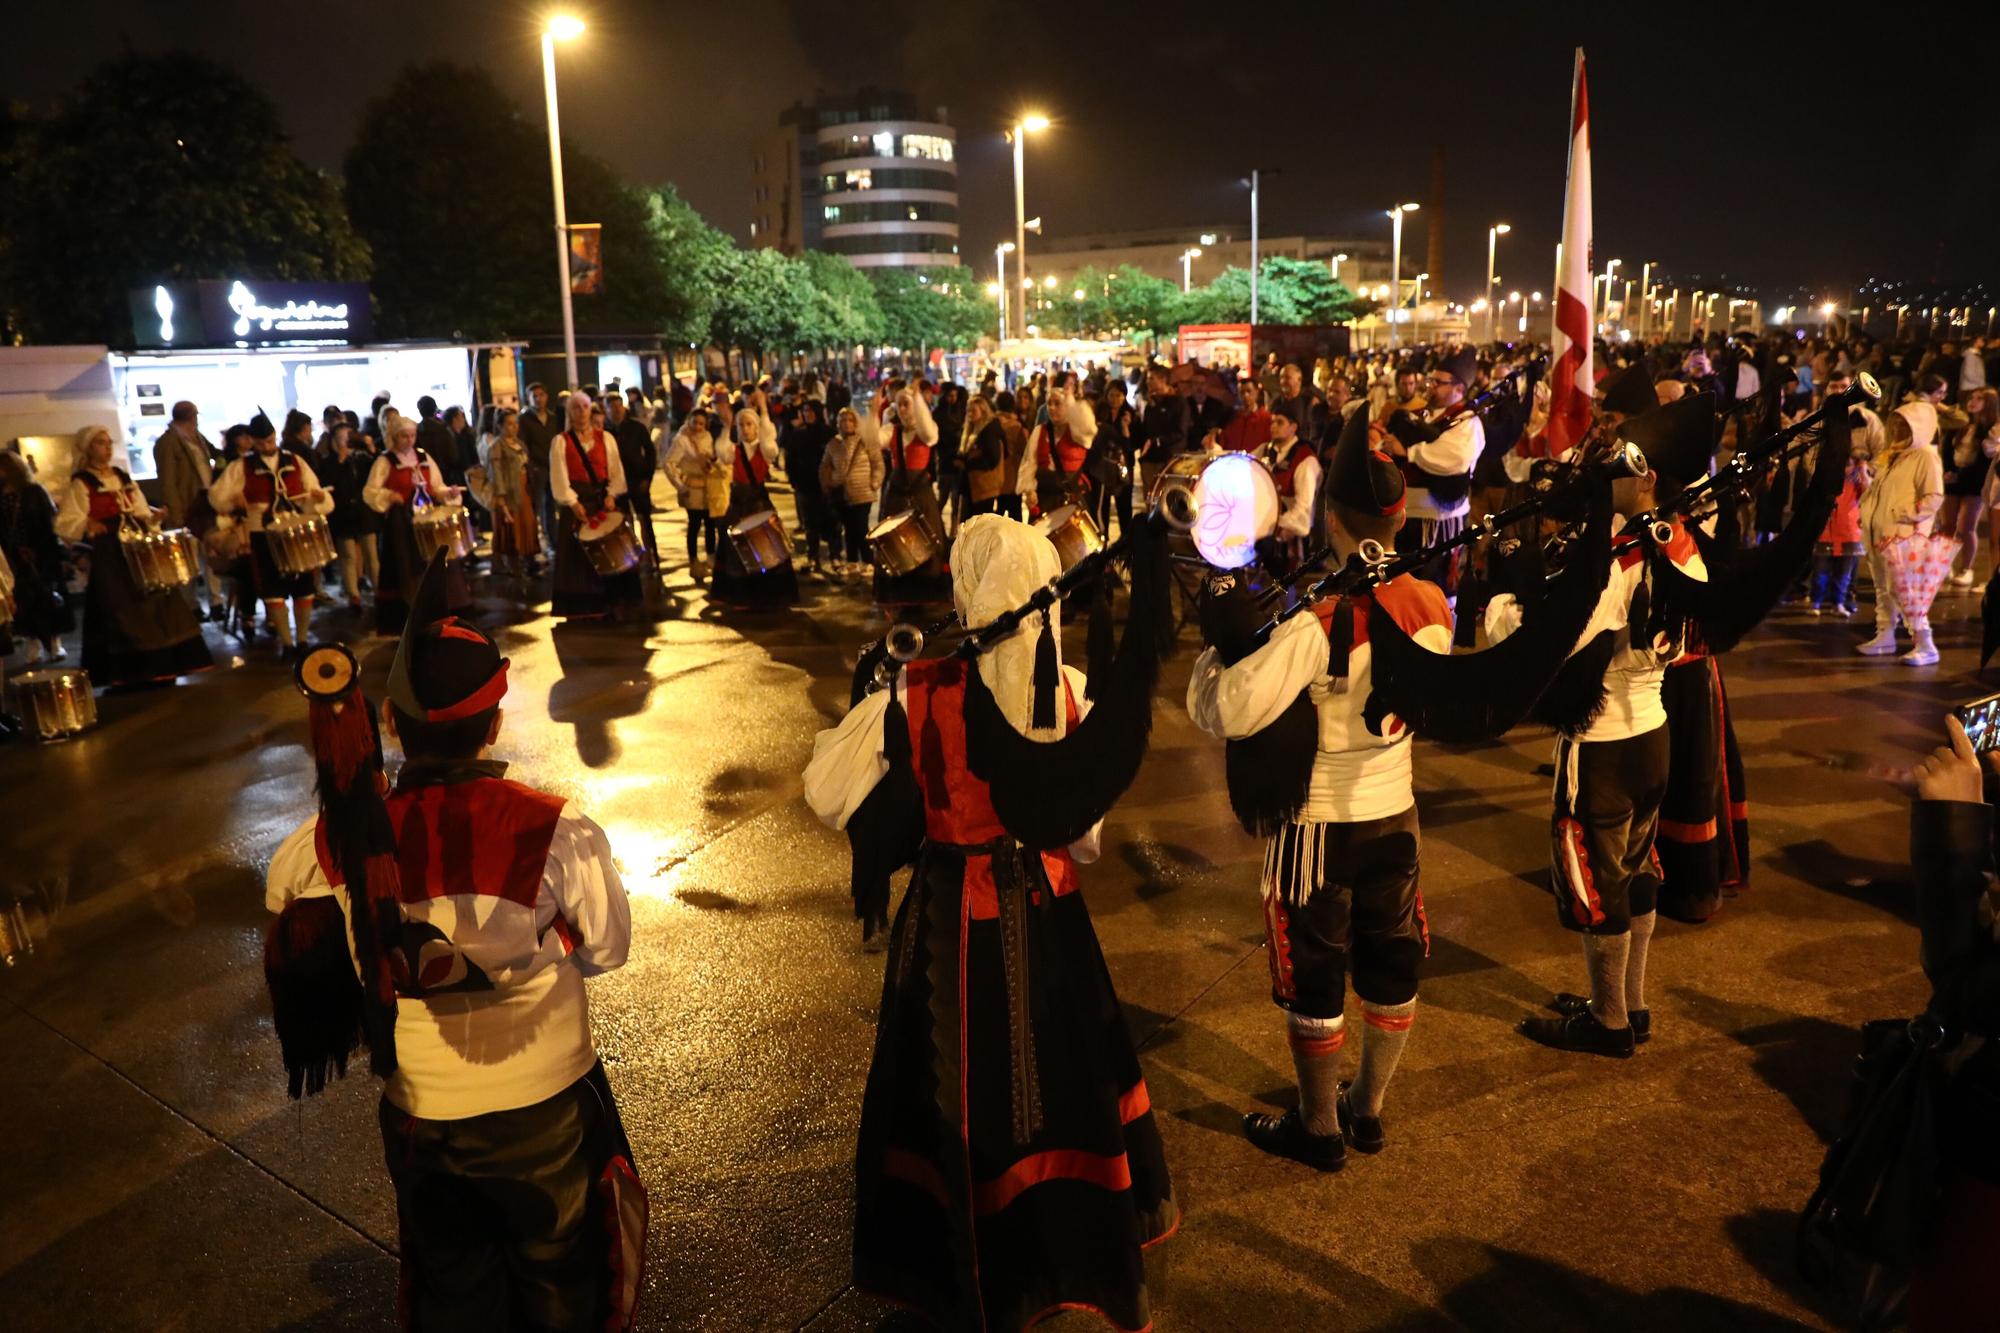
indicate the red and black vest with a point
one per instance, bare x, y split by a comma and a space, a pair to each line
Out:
104, 506
1286, 473
260, 482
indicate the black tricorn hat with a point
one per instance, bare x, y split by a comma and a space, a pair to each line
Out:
445, 668
1631, 391
1360, 476
1679, 438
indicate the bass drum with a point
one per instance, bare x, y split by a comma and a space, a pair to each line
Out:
54, 704
446, 528
300, 543
760, 543
1073, 532
608, 544
159, 561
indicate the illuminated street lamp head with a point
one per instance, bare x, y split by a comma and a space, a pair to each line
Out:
563, 27
1034, 124
1077, 295
992, 289
1194, 252
1006, 247
1826, 309
1342, 258
1409, 208
1501, 229
1049, 281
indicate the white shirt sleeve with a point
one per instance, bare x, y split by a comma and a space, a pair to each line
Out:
581, 879
295, 871
847, 762
376, 490
306, 475
73, 512
925, 425
1241, 700
225, 494
559, 487
1086, 849
1297, 520
1454, 452
1024, 476
1503, 617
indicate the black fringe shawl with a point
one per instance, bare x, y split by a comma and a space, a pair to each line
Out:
1743, 584
886, 830
1270, 772
1469, 697
1050, 793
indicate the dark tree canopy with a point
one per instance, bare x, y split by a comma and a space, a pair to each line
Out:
161, 168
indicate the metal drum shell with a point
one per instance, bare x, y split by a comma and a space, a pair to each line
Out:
446, 528
609, 545
1072, 531
55, 703
160, 561
300, 543
760, 542
902, 544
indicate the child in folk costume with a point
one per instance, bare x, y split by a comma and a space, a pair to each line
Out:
586, 479
130, 636
448, 924
748, 459
271, 480
403, 481
1340, 874
1008, 1163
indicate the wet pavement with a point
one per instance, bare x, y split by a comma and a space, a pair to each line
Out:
158, 1177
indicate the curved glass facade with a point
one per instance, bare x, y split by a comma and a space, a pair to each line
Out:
887, 178
887, 243
879, 211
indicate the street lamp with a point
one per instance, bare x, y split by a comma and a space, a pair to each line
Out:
1610, 268
1493, 235
1417, 307
1338, 260
1396, 268
1027, 125
561, 28
1187, 267
1645, 295
1000, 253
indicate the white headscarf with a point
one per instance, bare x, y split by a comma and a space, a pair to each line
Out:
997, 563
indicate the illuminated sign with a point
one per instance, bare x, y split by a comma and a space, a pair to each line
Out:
244, 312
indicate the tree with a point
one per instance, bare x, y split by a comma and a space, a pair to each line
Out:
694, 257
843, 310
445, 180
763, 302
932, 307
1140, 303
1289, 291
162, 168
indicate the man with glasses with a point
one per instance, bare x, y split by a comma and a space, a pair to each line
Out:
1437, 447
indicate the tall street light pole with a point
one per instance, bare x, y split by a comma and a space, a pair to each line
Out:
1187, 267
1000, 253
561, 28
1337, 261
1493, 235
1610, 268
1023, 128
1645, 296
1396, 272
1253, 245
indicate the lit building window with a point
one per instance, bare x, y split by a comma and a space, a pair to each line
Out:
861, 178
885, 144
932, 146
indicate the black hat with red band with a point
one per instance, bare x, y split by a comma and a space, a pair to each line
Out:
445, 668
1360, 476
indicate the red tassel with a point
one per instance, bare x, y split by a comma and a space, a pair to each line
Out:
343, 738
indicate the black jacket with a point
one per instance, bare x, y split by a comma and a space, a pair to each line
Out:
803, 446
636, 453
1163, 429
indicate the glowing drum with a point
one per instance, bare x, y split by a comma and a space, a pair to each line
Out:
159, 561
902, 544
300, 543
446, 528
1072, 531
54, 704
1236, 506
609, 544
760, 543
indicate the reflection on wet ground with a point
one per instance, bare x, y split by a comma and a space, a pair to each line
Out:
143, 1096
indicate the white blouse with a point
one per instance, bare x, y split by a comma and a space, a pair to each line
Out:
226, 494
73, 512
381, 499
559, 483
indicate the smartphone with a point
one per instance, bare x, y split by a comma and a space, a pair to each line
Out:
1981, 720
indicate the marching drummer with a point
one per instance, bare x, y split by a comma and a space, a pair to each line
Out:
271, 479
587, 480
404, 480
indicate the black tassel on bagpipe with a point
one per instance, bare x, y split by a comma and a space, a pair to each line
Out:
1050, 793
1469, 697
887, 828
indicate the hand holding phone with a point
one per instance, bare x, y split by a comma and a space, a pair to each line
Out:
1981, 720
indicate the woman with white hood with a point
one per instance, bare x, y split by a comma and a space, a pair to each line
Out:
1008, 1164
903, 430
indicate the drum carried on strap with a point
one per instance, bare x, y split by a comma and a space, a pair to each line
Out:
609, 544
902, 543
760, 543
55, 704
300, 543
443, 527
160, 560
1072, 531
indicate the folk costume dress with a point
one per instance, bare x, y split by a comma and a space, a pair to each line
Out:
906, 448
749, 464
129, 636
1009, 1165
260, 486
397, 487
589, 474
469, 909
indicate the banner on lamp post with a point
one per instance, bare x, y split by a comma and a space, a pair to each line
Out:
586, 258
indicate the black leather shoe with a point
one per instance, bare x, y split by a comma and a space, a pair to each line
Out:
1362, 1132
1642, 1019
1286, 1136
1580, 1032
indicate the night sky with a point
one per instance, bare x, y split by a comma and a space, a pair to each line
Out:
1780, 145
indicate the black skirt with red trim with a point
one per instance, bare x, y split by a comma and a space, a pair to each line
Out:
1704, 830
1009, 1164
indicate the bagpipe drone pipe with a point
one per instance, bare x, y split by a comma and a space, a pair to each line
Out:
1459, 698
1047, 794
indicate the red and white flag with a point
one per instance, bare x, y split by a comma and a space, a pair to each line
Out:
1572, 381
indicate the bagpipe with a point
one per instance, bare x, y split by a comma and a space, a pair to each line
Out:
1516, 386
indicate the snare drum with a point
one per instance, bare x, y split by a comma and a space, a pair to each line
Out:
160, 561
1072, 531
760, 543
609, 544
54, 704
1184, 468
300, 543
902, 544
446, 528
